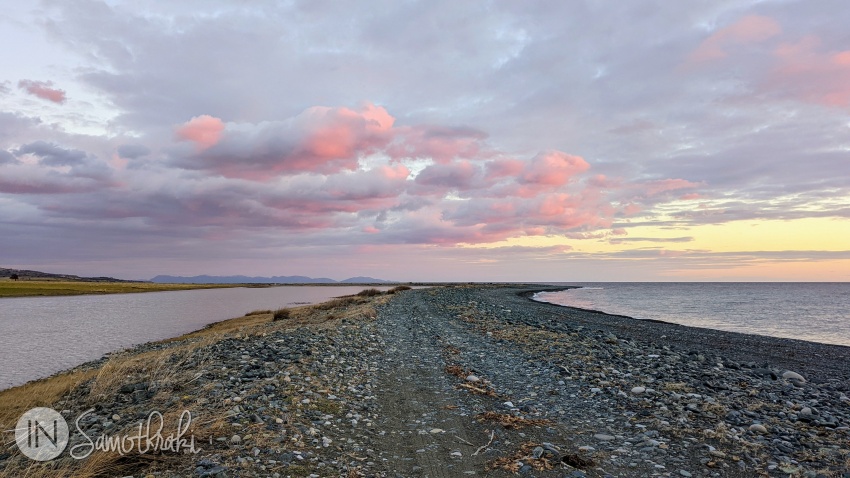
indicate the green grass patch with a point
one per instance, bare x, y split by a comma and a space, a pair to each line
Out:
31, 288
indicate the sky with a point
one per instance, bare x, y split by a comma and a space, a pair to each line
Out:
427, 140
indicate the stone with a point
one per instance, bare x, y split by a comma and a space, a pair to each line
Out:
638, 390
603, 437
793, 376
537, 452
758, 428
472, 378
236, 439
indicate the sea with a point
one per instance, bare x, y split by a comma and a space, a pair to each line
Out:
813, 311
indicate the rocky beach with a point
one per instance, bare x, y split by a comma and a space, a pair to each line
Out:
464, 380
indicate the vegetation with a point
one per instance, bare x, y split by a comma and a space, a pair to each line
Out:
369, 293
258, 312
280, 314
399, 289
16, 288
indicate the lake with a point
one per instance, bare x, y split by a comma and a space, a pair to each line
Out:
40, 336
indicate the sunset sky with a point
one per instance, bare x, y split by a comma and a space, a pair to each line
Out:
468, 141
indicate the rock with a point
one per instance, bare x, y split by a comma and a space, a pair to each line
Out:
758, 428
472, 378
537, 452
685, 473
236, 439
437, 430
603, 437
793, 376
326, 442
638, 390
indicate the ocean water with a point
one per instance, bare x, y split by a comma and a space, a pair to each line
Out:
813, 311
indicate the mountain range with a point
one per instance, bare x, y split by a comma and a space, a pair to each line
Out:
205, 279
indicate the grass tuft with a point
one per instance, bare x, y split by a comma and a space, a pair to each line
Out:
258, 312
280, 314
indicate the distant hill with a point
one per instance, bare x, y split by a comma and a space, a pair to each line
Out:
205, 279
24, 274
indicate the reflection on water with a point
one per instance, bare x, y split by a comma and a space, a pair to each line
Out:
40, 336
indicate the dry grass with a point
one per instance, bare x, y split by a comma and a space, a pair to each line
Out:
399, 288
259, 312
368, 293
41, 393
511, 463
677, 387
512, 421
479, 390
457, 371
28, 288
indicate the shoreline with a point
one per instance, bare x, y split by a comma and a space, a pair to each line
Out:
804, 354
463, 379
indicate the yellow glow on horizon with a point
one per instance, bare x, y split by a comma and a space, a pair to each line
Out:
809, 234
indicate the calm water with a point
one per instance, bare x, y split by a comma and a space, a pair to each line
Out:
818, 312
40, 336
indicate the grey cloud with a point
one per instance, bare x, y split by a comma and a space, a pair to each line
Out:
7, 157
133, 151
53, 155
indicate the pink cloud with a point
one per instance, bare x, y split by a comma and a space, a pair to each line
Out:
553, 168
808, 72
313, 176
43, 90
500, 168
205, 131
340, 133
749, 29
654, 188
439, 143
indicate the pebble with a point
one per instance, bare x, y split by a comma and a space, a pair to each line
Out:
758, 428
638, 390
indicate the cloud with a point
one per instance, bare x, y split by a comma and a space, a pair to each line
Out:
43, 90
133, 151
205, 131
480, 126
747, 30
319, 140
52, 155
7, 157
807, 70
